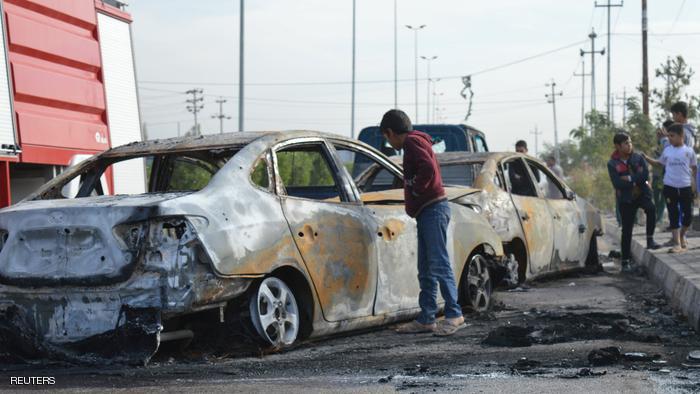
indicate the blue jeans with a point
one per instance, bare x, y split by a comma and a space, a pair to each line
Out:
434, 265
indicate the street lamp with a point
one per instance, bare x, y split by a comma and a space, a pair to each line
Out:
429, 60
415, 47
436, 101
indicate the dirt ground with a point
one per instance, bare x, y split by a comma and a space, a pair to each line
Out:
544, 337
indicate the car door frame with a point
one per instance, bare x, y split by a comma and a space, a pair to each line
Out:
535, 221
347, 289
397, 287
567, 219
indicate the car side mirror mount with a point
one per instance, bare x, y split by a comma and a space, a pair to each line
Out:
570, 195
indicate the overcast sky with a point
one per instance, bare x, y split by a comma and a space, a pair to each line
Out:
298, 61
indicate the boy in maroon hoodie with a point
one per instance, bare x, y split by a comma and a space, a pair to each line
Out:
425, 200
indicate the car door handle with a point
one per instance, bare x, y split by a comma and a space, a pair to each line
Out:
386, 233
525, 216
307, 232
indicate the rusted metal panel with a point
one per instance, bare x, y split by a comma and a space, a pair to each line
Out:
396, 232
570, 243
538, 228
337, 244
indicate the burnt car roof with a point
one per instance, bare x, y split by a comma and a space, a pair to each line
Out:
211, 141
466, 157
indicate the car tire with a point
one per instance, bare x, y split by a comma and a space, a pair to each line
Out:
477, 284
274, 313
592, 263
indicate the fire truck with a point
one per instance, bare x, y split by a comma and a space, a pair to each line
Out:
67, 90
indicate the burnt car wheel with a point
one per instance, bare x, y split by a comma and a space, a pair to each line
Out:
274, 313
477, 285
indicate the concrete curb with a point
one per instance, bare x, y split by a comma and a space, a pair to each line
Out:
679, 281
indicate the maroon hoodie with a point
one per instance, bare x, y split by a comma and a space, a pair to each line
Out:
423, 182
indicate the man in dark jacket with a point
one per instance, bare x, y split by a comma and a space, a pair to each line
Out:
425, 200
629, 174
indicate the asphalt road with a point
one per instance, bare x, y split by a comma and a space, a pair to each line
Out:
537, 340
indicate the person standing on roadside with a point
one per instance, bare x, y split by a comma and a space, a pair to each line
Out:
657, 182
680, 173
552, 189
521, 147
425, 200
679, 114
629, 175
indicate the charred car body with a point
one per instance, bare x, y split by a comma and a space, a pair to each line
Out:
271, 221
542, 223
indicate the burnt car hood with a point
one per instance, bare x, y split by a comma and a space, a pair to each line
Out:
72, 241
396, 195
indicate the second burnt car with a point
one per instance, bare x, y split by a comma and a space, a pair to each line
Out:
542, 222
270, 227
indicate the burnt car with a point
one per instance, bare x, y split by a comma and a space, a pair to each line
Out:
544, 225
269, 227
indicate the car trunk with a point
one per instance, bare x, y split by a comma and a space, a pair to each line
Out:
74, 242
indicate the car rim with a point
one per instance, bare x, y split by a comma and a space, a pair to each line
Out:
274, 312
478, 284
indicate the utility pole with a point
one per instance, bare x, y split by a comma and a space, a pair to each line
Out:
241, 64
593, 52
608, 6
428, 59
194, 106
583, 76
552, 98
221, 115
645, 64
352, 99
624, 106
178, 128
396, 59
415, 70
536, 133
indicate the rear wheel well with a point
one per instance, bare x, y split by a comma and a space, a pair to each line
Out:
296, 281
517, 248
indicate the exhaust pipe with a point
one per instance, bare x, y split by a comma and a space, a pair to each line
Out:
176, 335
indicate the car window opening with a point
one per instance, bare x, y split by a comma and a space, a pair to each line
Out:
169, 172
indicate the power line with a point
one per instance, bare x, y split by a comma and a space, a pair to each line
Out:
691, 33
678, 15
378, 81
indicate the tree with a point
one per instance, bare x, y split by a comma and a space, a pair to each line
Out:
676, 75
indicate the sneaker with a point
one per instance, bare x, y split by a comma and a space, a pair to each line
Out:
415, 327
671, 243
652, 245
449, 326
626, 266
